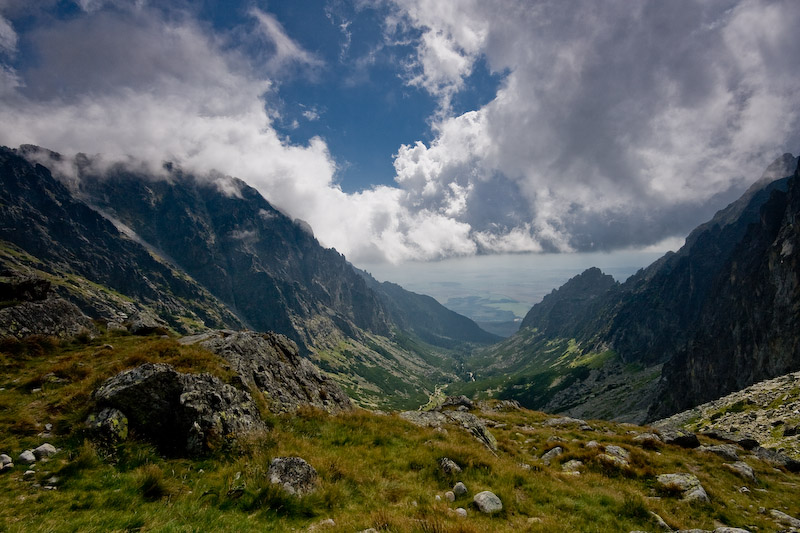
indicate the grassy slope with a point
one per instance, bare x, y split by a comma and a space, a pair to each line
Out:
375, 470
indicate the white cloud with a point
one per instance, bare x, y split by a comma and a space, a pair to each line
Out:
286, 50
8, 37
614, 121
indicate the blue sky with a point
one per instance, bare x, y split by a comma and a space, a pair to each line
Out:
423, 130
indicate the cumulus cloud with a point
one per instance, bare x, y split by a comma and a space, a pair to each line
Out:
614, 124
614, 120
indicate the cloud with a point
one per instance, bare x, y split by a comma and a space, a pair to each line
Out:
8, 37
615, 124
286, 50
614, 120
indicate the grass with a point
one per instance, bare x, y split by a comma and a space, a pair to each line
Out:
375, 470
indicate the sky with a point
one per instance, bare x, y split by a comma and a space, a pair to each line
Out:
424, 130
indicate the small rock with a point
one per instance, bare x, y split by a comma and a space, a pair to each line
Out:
449, 467
487, 502
459, 489
612, 460
618, 451
679, 437
556, 438
29, 474
437, 498
461, 512
8, 467
53, 481
565, 421
293, 474
4, 459
27, 457
742, 469
784, 519
731, 530
44, 451
592, 444
450, 496
660, 523
323, 524
647, 438
572, 466
726, 451
744, 490
548, 456
687, 484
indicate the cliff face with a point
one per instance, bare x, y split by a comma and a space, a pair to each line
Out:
749, 326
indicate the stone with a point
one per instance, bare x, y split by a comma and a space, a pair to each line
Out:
784, 519
679, 437
29, 474
565, 421
660, 523
572, 466
461, 512
449, 467
457, 401
450, 496
4, 459
272, 363
436, 419
27, 457
592, 445
551, 454
180, 413
293, 474
44, 451
108, 427
618, 451
612, 460
726, 451
777, 458
687, 484
323, 524
726, 529
647, 438
145, 323
742, 469
487, 502
460, 490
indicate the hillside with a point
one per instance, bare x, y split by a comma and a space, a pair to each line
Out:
194, 253
369, 470
711, 318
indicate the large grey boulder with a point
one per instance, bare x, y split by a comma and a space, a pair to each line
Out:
487, 502
27, 457
180, 413
784, 519
742, 469
53, 317
293, 474
687, 484
44, 451
726, 451
272, 363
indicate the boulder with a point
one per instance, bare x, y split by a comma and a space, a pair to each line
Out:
618, 451
461, 512
450, 496
745, 441
293, 474
612, 460
449, 467
27, 457
53, 317
460, 490
726, 451
272, 363
44, 451
457, 401
784, 519
551, 454
647, 438
565, 421
4, 459
679, 437
572, 467
487, 502
108, 427
180, 413
687, 484
145, 323
742, 469
777, 458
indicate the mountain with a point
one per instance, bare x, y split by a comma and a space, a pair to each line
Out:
211, 252
713, 317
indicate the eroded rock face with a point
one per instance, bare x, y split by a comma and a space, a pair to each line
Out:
271, 362
180, 413
53, 317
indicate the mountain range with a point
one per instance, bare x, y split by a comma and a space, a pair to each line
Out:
186, 253
193, 253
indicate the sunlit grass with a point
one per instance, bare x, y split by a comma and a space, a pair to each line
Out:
375, 470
